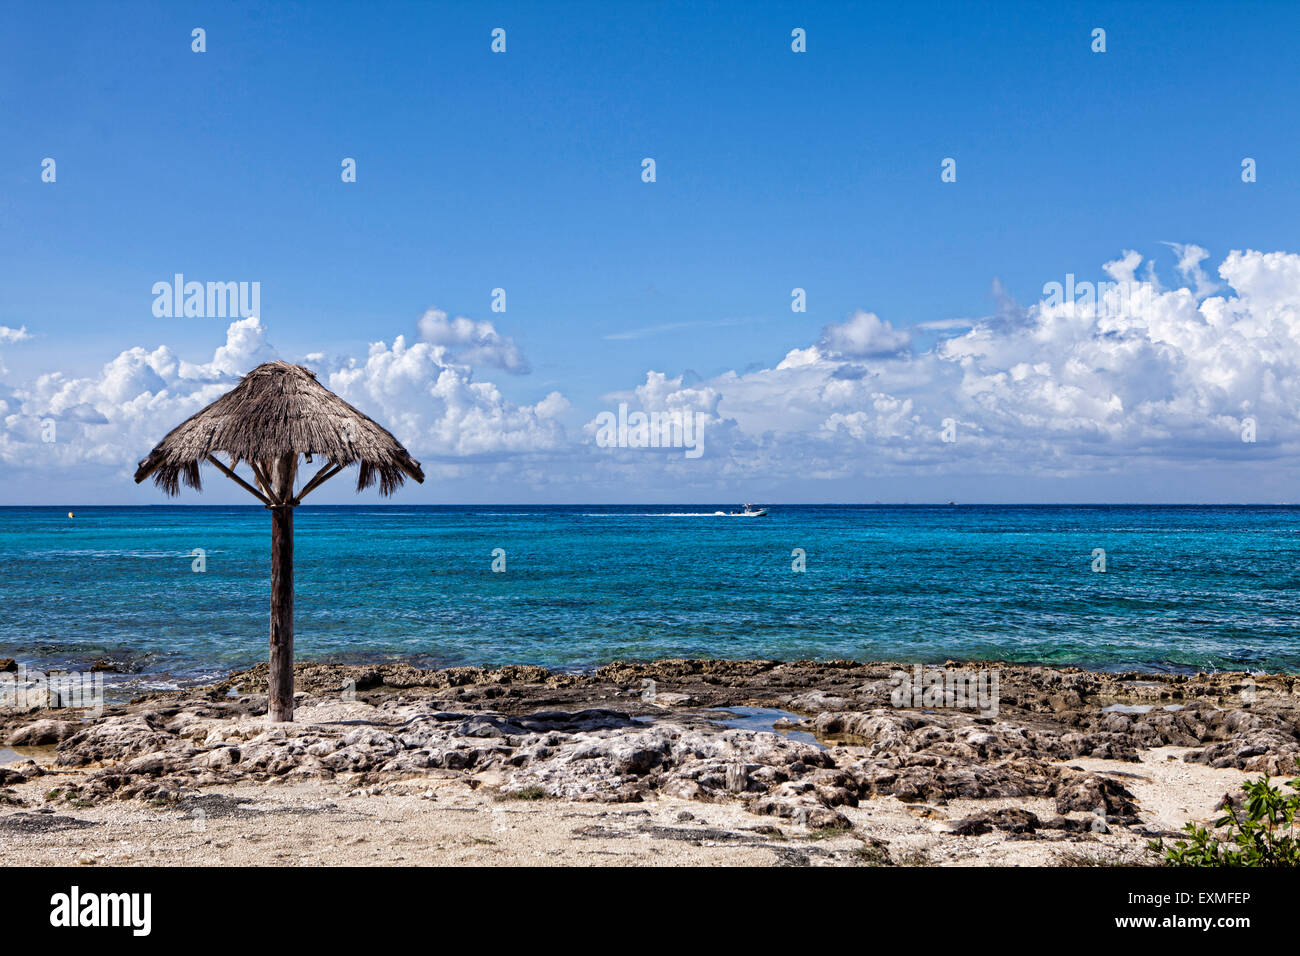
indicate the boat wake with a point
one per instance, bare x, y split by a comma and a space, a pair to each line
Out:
666, 514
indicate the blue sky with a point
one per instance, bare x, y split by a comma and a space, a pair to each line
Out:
522, 171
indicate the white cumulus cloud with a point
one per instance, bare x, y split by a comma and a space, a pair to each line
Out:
438, 409
1145, 375
112, 419
1138, 377
469, 342
864, 335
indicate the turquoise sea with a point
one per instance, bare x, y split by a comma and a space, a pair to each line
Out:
1185, 587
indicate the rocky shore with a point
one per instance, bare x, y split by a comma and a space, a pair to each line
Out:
769, 762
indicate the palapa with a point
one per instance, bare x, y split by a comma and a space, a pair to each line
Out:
277, 412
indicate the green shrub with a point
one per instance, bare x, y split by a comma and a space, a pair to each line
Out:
527, 793
1264, 835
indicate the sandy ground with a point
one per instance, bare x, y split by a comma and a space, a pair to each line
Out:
448, 819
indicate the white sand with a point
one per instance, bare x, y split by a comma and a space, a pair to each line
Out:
448, 819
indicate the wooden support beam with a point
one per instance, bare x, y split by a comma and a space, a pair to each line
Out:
280, 687
263, 481
327, 471
280, 683
241, 482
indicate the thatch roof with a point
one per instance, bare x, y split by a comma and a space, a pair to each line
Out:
275, 410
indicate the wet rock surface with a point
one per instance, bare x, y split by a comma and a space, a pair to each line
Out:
630, 732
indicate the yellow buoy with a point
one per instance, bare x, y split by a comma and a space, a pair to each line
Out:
71, 515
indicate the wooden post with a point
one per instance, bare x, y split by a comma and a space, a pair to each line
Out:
280, 690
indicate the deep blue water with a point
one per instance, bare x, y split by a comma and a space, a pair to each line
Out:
1185, 587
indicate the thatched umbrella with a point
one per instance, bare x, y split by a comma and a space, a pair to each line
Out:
276, 413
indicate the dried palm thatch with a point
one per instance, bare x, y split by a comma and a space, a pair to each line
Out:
279, 409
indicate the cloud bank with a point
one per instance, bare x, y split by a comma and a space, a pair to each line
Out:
421, 392
1135, 374
1139, 375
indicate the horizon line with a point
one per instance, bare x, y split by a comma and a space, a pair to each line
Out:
664, 504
